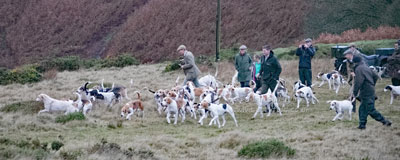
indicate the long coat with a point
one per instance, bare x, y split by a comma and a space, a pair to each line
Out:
189, 68
364, 81
270, 68
242, 65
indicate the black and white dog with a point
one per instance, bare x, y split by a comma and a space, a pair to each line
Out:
104, 97
378, 70
394, 91
325, 77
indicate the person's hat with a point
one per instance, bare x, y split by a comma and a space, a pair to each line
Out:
352, 45
242, 47
347, 52
357, 59
308, 40
181, 47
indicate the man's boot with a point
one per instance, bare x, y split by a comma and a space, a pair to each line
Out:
361, 126
387, 123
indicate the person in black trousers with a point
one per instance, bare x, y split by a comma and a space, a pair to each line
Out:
305, 52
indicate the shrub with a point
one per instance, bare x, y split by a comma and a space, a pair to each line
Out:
89, 63
265, 149
26, 107
120, 61
70, 63
4, 76
70, 155
382, 32
172, 66
26, 74
56, 145
70, 117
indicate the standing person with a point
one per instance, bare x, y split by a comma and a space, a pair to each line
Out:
393, 65
243, 66
305, 52
364, 85
270, 70
349, 55
256, 69
189, 66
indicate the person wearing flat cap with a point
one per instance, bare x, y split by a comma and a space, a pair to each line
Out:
364, 88
189, 66
305, 52
243, 65
349, 54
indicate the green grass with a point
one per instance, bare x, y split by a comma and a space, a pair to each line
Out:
266, 149
26, 107
70, 117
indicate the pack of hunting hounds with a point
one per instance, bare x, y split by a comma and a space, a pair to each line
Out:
182, 101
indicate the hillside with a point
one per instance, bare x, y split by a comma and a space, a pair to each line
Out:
152, 29
105, 135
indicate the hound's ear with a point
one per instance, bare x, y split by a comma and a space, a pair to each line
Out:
299, 92
169, 101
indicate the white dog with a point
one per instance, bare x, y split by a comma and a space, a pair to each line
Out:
266, 99
159, 95
378, 70
394, 92
337, 81
305, 93
51, 104
218, 110
241, 93
172, 107
341, 107
83, 105
282, 92
325, 77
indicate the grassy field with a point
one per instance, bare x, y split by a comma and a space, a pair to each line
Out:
104, 135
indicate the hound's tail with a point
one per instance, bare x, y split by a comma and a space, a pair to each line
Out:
177, 81
276, 87
252, 84
234, 78
138, 94
145, 88
102, 83
216, 71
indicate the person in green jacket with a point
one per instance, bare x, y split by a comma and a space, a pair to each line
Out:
364, 89
243, 66
270, 70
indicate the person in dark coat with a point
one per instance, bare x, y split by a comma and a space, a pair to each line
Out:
270, 70
364, 89
393, 65
243, 64
349, 55
305, 52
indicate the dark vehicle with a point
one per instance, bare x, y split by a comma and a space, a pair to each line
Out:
377, 59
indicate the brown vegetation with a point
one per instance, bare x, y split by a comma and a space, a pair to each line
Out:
382, 32
149, 30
